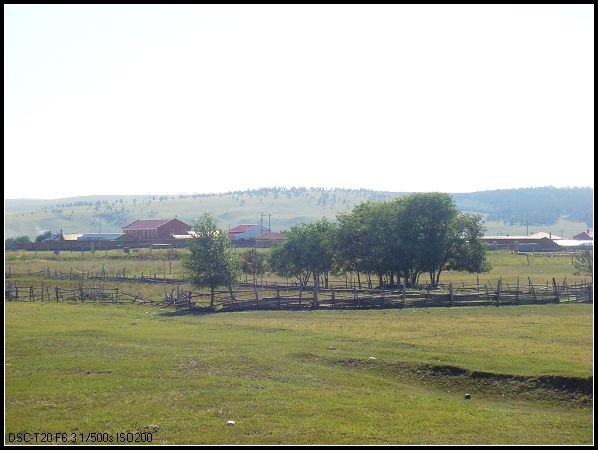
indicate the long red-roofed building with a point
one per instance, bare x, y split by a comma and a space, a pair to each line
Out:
154, 229
245, 231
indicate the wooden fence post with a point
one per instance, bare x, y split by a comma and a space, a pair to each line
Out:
333, 303
531, 285
56, 292
451, 292
31, 294
278, 296
517, 292
498, 286
556, 291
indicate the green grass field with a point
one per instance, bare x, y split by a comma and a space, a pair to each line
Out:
540, 267
298, 377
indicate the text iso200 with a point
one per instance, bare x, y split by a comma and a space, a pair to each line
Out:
134, 437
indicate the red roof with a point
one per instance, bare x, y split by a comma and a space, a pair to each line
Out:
142, 224
584, 236
241, 228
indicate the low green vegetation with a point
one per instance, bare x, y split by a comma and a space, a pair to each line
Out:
318, 377
539, 267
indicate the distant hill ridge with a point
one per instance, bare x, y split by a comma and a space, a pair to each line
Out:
285, 207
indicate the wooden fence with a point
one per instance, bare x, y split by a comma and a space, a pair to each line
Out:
48, 293
100, 275
294, 298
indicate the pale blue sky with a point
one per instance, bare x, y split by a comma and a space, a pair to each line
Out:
107, 99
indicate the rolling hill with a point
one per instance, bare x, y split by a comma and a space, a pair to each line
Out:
560, 210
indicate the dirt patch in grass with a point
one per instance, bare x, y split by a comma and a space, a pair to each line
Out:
567, 391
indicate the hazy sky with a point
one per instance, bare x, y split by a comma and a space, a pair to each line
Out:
110, 99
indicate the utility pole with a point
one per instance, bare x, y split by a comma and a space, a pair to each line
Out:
262, 223
100, 234
269, 229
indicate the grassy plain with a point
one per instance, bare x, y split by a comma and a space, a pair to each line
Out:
540, 267
290, 377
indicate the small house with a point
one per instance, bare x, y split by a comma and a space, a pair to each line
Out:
245, 231
154, 229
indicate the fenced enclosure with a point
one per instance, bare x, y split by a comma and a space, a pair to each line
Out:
246, 297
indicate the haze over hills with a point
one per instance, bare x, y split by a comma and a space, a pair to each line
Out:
561, 210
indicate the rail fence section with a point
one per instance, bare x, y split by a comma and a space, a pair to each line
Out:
246, 297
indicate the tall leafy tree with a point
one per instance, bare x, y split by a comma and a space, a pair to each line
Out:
433, 236
423, 232
212, 260
466, 252
254, 264
584, 263
285, 264
308, 251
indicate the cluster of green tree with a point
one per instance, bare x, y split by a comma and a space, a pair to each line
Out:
9, 244
536, 206
399, 239
394, 240
43, 236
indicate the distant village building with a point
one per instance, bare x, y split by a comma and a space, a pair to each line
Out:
72, 236
537, 242
54, 237
540, 242
575, 244
584, 236
99, 236
581, 241
544, 234
154, 229
245, 231
269, 239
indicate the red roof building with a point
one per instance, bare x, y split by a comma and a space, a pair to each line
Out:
154, 229
584, 236
245, 231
